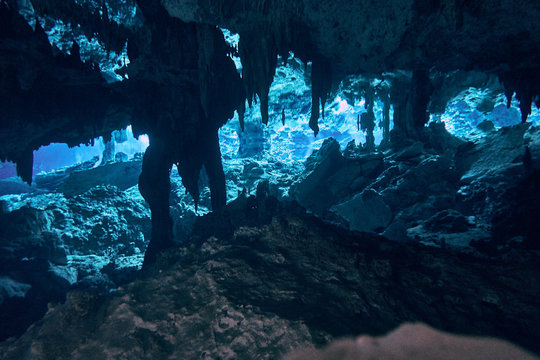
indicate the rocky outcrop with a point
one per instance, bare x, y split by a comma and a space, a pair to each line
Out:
442, 191
122, 175
366, 211
329, 177
180, 84
263, 278
50, 243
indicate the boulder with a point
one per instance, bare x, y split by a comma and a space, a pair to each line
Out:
311, 189
330, 178
123, 175
366, 211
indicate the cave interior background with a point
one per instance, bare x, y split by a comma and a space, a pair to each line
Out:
84, 223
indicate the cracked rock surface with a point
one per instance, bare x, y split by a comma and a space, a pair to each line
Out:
263, 278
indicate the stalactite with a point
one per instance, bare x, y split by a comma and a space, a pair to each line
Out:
25, 165
526, 87
221, 89
189, 170
321, 85
241, 114
314, 118
525, 105
258, 53
112, 35
421, 90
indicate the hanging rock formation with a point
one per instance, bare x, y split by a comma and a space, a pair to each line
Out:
181, 85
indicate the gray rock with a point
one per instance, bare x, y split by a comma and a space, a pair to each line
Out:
256, 285
412, 151
10, 288
486, 126
495, 153
448, 221
14, 185
120, 174
311, 189
366, 211
331, 178
396, 231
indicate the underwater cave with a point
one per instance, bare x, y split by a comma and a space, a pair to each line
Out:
269, 179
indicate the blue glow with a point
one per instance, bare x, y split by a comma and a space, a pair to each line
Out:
462, 113
91, 50
294, 140
55, 155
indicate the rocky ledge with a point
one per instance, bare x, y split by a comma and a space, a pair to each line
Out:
262, 278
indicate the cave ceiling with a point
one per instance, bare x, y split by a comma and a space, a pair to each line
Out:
181, 84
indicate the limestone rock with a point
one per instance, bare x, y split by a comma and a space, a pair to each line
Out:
120, 174
366, 211
259, 284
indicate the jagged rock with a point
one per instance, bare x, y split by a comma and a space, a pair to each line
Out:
13, 185
412, 151
10, 288
28, 252
500, 183
366, 211
311, 189
433, 176
258, 284
441, 140
397, 231
329, 177
51, 243
52, 180
449, 221
123, 175
498, 152
486, 126
25, 234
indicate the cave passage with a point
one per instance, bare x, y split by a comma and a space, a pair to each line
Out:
211, 142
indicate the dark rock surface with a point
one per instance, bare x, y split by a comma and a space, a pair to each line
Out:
263, 278
50, 243
123, 175
475, 196
83, 70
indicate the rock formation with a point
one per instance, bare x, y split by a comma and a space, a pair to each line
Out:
421, 214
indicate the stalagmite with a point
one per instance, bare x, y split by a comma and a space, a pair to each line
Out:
216, 175
410, 99
367, 120
385, 124
155, 187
